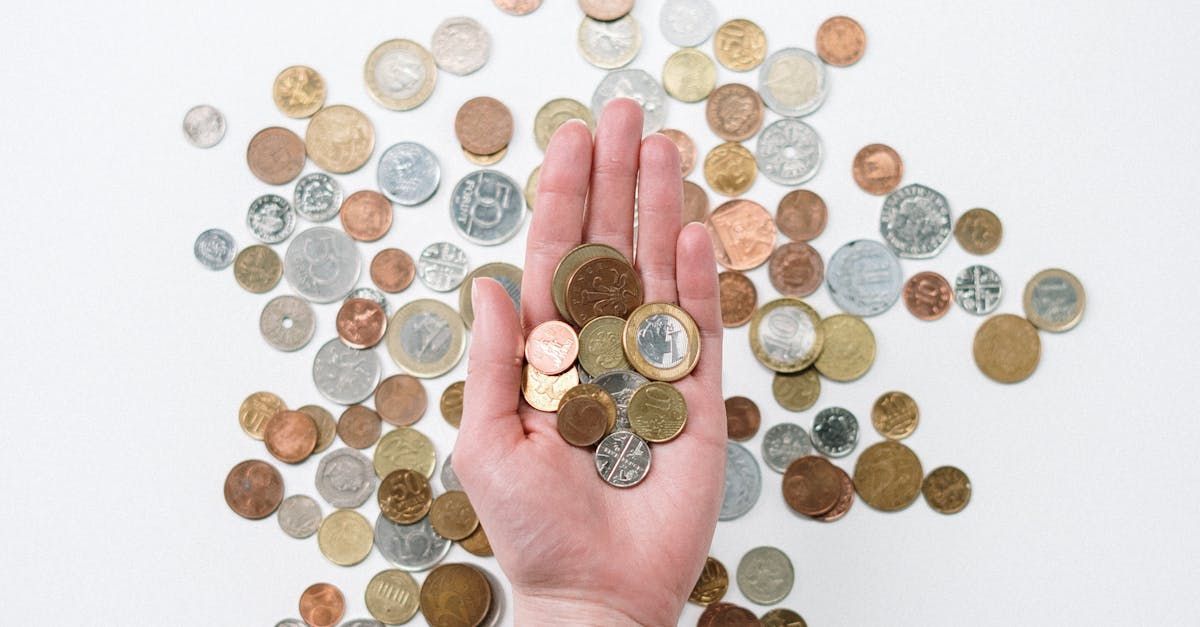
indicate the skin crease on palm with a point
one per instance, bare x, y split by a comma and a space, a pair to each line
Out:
577, 550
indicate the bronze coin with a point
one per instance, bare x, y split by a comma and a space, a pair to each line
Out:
927, 295
452, 515
782, 617
392, 270
582, 421
405, 496
801, 215
695, 203
739, 298
483, 125
727, 615
845, 499
796, 269
290, 436
253, 489
734, 112
742, 418
275, 155
361, 323
359, 427
322, 605
978, 231
366, 215
812, 485
606, 10
841, 41
602, 286
743, 234
686, 147
455, 595
947, 489
878, 169
477, 543
400, 399
451, 403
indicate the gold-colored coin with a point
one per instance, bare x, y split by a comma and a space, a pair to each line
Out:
455, 595
477, 543
426, 338
895, 415
978, 231
740, 45
782, 617
554, 114
531, 188
451, 403
730, 169
400, 74
345, 537
257, 269
256, 410
947, 489
404, 496
786, 335
661, 341
340, 139
452, 515
299, 91
393, 596
1054, 300
888, 476
712, 584
489, 159
1007, 348
545, 391
326, 426
657, 412
849, 348
601, 346
569, 264
689, 75
600, 395
404, 447
796, 391
505, 274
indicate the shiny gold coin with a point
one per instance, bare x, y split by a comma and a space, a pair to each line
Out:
786, 335
947, 489
455, 595
1007, 348
400, 74
554, 114
661, 341
404, 496
393, 596
452, 515
436, 338
601, 347
888, 476
345, 537
712, 584
531, 184
796, 391
505, 274
782, 617
730, 169
489, 159
849, 348
740, 45
895, 415
257, 269
1054, 300
257, 410
657, 412
569, 264
597, 393
326, 426
340, 139
451, 403
404, 447
477, 543
978, 231
689, 75
545, 391
299, 91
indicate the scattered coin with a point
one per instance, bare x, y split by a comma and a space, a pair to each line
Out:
363, 622
811, 485
849, 349
743, 234
552, 347
401, 400
275, 155
1007, 348
602, 286
789, 152
947, 489
877, 169
783, 444
888, 476
344, 478
606, 10
361, 323
801, 215
299, 516
739, 298
796, 269
978, 289
370, 294
927, 295
609, 44
506, 274
359, 427
322, 605
393, 596
686, 147
408, 173
517, 7
657, 412
345, 375
345, 538
554, 114
712, 584
485, 160
895, 415
782, 617
404, 496
322, 264
426, 338
978, 231
253, 489
730, 169
864, 278
740, 45
203, 126
765, 575
915, 222
638, 85
687, 23
412, 547
483, 125
326, 426
1054, 300
256, 410
792, 82
545, 391
841, 41
661, 340
340, 139
451, 403
455, 594
298, 91
290, 436
622, 459
600, 345
743, 482
214, 249
460, 46
695, 203
796, 391
689, 75
405, 447
786, 335
452, 516
835, 432
317, 197
487, 207
400, 74
257, 269
742, 418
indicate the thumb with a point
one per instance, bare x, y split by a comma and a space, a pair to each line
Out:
490, 425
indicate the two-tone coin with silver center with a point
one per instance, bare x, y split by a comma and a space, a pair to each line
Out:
287, 322
345, 375
460, 45
622, 459
442, 266
789, 152
215, 249
203, 126
414, 547
317, 197
915, 221
835, 432
792, 82
345, 477
639, 86
783, 444
620, 385
299, 516
609, 45
687, 23
322, 264
978, 289
864, 278
743, 482
487, 207
270, 218
765, 575
408, 173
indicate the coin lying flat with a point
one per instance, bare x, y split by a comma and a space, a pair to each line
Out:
786, 335
947, 489
483, 125
743, 234
393, 596
796, 269
451, 403
712, 584
730, 169
620, 385
401, 400
322, 264
783, 444
888, 476
689, 75
695, 203
740, 45
317, 197
340, 139
811, 485
687, 23
765, 575
552, 346
606, 10
256, 410
639, 86
864, 278
796, 391
214, 249
392, 270
915, 221
442, 266
253, 489
1007, 348
270, 218
609, 44
344, 478
426, 338
405, 447
849, 349
345, 375
845, 499
661, 340
726, 615
360, 323
299, 516
789, 152
449, 479
506, 274
413, 548
895, 415
408, 173
517, 7
978, 231
739, 298
1054, 300
978, 289
686, 147
554, 114
841, 41
657, 412
203, 126
299, 91
927, 295
322, 605
622, 459
460, 45
600, 395
487, 207
531, 185
743, 482
582, 420
345, 537
835, 432
455, 594
400, 74
478, 544
793, 82
877, 169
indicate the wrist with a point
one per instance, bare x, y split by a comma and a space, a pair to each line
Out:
533, 609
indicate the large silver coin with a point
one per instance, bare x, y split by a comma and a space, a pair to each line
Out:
345, 375
299, 516
864, 278
792, 82
622, 459
915, 221
287, 322
789, 152
743, 482
835, 432
461, 45
322, 264
783, 444
408, 173
270, 218
487, 207
345, 478
442, 266
449, 479
687, 23
317, 197
414, 547
215, 249
638, 85
203, 126
609, 45
978, 289
372, 295
620, 385
765, 575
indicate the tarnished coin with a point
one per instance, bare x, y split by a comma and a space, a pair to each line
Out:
345, 375
796, 269
639, 86
408, 173
927, 295
317, 197
214, 249
796, 391
786, 335
686, 147
426, 338
275, 155
545, 391
506, 274
253, 489
606, 10
895, 415
695, 203
483, 125
864, 278
460, 45
299, 91
451, 403
782, 617
442, 266
947, 489
401, 400
582, 420
888, 476
687, 23
322, 605
742, 418
257, 268
404, 496
405, 447
623, 459
689, 75
452, 516
877, 169
740, 45
801, 215
517, 7
552, 347
203, 126
455, 595
1054, 300
734, 112
344, 478
256, 410
326, 426
811, 485
609, 44
978, 231
712, 584
1007, 348
366, 215
620, 385
915, 221
978, 289
345, 537
765, 575
449, 479
299, 516
657, 412
789, 152
739, 298
487, 207
743, 482
661, 341
290, 436
783, 444
743, 234
849, 349
340, 139
412, 547
841, 41
400, 74
730, 169
600, 345
359, 427
793, 82
393, 596
270, 219
392, 270
569, 264
322, 264
602, 286
361, 323
835, 432
554, 114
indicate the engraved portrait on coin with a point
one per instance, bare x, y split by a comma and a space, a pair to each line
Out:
270, 219
687, 23
915, 221
214, 249
783, 444
345, 478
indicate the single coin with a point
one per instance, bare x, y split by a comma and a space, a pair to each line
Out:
361, 323
366, 215
290, 436
322, 264
638, 85
742, 418
1007, 348
449, 479
359, 427
620, 385
841, 41
256, 410
743, 482
298, 91
451, 403
299, 516
506, 274
895, 415
927, 295
606, 10
392, 270
405, 447
600, 345
326, 426
727, 615
796, 269
426, 338
743, 234
689, 75
317, 197
203, 126
400, 74
477, 543
739, 298
393, 596
554, 114
1054, 300
257, 269
978, 289
730, 169
487, 207
483, 125
460, 45
609, 44
687, 23
786, 335
340, 139
796, 391
695, 203
662, 341
622, 459
517, 7
888, 476
712, 584
844, 502
849, 348
582, 420
344, 478
783, 444
978, 231
801, 215
835, 432
345, 537
214, 249
404, 496
793, 82
253, 489
485, 160
915, 221
455, 595
602, 286
569, 264
552, 347
765, 575
947, 489
442, 266
270, 219
545, 391
789, 152
811, 485
864, 278
408, 173
275, 155
345, 375
782, 617
877, 169
598, 394
414, 547
531, 184
734, 112
740, 45
322, 605
657, 412
401, 400
452, 516
686, 147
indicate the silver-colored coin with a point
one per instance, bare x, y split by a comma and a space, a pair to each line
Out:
408, 173
978, 289
299, 516
215, 249
291, 622
835, 432
662, 341
414, 547
203, 126
789, 152
270, 218
620, 385
496, 606
363, 622
915, 221
622, 459
783, 444
442, 266
460, 45
638, 85
287, 322
765, 575
609, 45
864, 278
793, 82
345, 478
317, 197
487, 207
322, 264
449, 479
345, 375
743, 482
372, 295
687, 23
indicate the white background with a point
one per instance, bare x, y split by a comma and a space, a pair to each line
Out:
124, 361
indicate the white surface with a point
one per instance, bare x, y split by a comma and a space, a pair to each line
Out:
124, 361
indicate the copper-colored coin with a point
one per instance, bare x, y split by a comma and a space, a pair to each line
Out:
404, 496
359, 427
452, 515
796, 269
275, 155
695, 203
947, 489
742, 418
392, 270
739, 298
812, 485
888, 476
253, 489
582, 421
782, 617
878, 169
483, 125
801, 215
451, 403
841, 41
606, 10
602, 286
361, 323
366, 215
712, 584
727, 615
978, 231
895, 415
400, 399
552, 347
477, 543
730, 169
927, 295
455, 595
322, 605
734, 112
290, 436
686, 147
743, 234
845, 499
1007, 348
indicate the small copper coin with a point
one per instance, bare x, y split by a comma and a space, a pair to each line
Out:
455, 595
695, 203
582, 421
404, 496
812, 485
734, 112
477, 543
400, 400
451, 403
927, 295
686, 147
322, 605
743, 234
552, 347
742, 418
359, 427
452, 515
253, 489
878, 169
712, 584
796, 269
841, 41
727, 615
801, 215
483, 125
782, 617
739, 298
290, 436
895, 415
845, 499
978, 231
606, 10
602, 286
361, 323
392, 270
366, 215
275, 155
947, 489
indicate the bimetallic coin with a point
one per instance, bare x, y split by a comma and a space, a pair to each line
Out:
662, 341
554, 114
609, 44
740, 45
765, 575
214, 249
345, 375
442, 266
796, 269
978, 231
947, 489
743, 482
864, 278
287, 323
449, 479
1054, 300
689, 75
788, 152
687, 23
270, 219
275, 155
400, 74
895, 415
639, 86
203, 126
254, 489
888, 476
835, 432
730, 169
1007, 348
796, 391
743, 234
849, 348
460, 45
345, 479
621, 385
712, 584
405, 447
841, 41
792, 82
978, 289
786, 335
322, 605
739, 298
299, 516
340, 139
783, 444
877, 169
657, 412
426, 338
318, 197
322, 264
257, 268
298, 91
393, 596
408, 173
345, 537
413, 548
915, 221
623, 459
258, 409
487, 207
927, 295
506, 274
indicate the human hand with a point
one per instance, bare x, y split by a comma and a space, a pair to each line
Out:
577, 550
